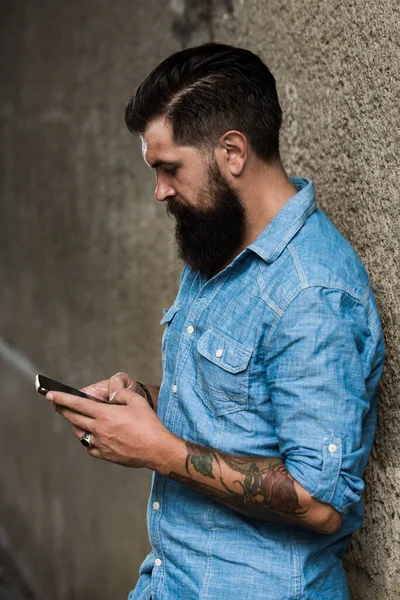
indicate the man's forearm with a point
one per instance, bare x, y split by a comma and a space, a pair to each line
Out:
258, 487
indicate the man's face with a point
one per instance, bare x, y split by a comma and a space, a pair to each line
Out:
210, 218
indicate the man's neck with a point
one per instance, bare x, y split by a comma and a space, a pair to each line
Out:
264, 193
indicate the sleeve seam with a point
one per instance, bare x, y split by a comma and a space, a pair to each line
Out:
278, 316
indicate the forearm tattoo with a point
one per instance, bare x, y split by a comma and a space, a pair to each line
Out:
254, 486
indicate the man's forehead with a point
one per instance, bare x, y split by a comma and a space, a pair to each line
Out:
157, 141
158, 133
159, 148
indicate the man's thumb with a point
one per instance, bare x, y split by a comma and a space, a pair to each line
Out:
119, 381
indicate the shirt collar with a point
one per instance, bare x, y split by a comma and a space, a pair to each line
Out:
271, 242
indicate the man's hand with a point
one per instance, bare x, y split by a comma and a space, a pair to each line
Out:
127, 431
104, 390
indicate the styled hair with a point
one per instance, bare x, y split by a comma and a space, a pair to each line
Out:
207, 90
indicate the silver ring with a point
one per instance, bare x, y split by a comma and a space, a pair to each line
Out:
85, 440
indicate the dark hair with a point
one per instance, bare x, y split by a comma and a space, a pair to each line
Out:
207, 90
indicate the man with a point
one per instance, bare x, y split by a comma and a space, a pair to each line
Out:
272, 353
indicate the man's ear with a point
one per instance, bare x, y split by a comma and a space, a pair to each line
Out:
231, 153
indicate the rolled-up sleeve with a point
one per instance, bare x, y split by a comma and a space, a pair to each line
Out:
318, 363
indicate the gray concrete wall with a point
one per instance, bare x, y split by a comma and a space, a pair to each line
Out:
87, 264
88, 258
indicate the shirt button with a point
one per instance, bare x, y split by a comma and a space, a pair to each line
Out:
156, 505
158, 562
190, 329
218, 352
174, 388
332, 448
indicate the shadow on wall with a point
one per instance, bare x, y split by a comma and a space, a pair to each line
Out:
193, 23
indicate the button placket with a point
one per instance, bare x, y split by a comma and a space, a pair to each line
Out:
199, 304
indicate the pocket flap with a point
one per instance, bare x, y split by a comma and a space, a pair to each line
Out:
169, 314
224, 351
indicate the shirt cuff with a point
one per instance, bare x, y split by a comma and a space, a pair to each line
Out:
328, 484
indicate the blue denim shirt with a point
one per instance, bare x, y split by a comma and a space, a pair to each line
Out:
295, 317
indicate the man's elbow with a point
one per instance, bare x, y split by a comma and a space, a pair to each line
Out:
321, 517
329, 520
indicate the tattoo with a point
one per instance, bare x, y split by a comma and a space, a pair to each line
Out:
264, 487
200, 459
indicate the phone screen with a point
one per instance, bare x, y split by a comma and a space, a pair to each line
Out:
44, 384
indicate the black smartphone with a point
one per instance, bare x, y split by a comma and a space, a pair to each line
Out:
44, 384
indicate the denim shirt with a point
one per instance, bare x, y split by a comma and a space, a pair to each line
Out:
278, 355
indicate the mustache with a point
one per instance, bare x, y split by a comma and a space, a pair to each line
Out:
171, 205
185, 213
174, 209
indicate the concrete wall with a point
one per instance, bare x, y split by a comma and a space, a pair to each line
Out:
88, 258
87, 264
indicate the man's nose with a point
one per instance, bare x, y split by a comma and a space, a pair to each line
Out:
163, 191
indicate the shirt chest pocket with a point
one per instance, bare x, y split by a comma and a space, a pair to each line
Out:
222, 372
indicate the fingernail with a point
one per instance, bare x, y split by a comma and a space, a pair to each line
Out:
112, 396
49, 396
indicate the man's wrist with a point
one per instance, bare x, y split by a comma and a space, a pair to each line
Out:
147, 394
170, 454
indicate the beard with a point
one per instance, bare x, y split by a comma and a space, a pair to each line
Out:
209, 234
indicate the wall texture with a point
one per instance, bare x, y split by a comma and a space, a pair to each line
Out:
87, 264
88, 257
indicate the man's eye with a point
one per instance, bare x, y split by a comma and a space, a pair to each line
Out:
170, 171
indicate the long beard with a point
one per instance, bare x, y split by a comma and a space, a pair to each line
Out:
209, 233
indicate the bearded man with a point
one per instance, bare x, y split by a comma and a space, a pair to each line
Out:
272, 353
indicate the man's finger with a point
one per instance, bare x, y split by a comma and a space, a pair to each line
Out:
80, 421
98, 390
78, 432
126, 397
120, 381
84, 406
95, 452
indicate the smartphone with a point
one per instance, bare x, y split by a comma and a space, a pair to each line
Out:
44, 384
